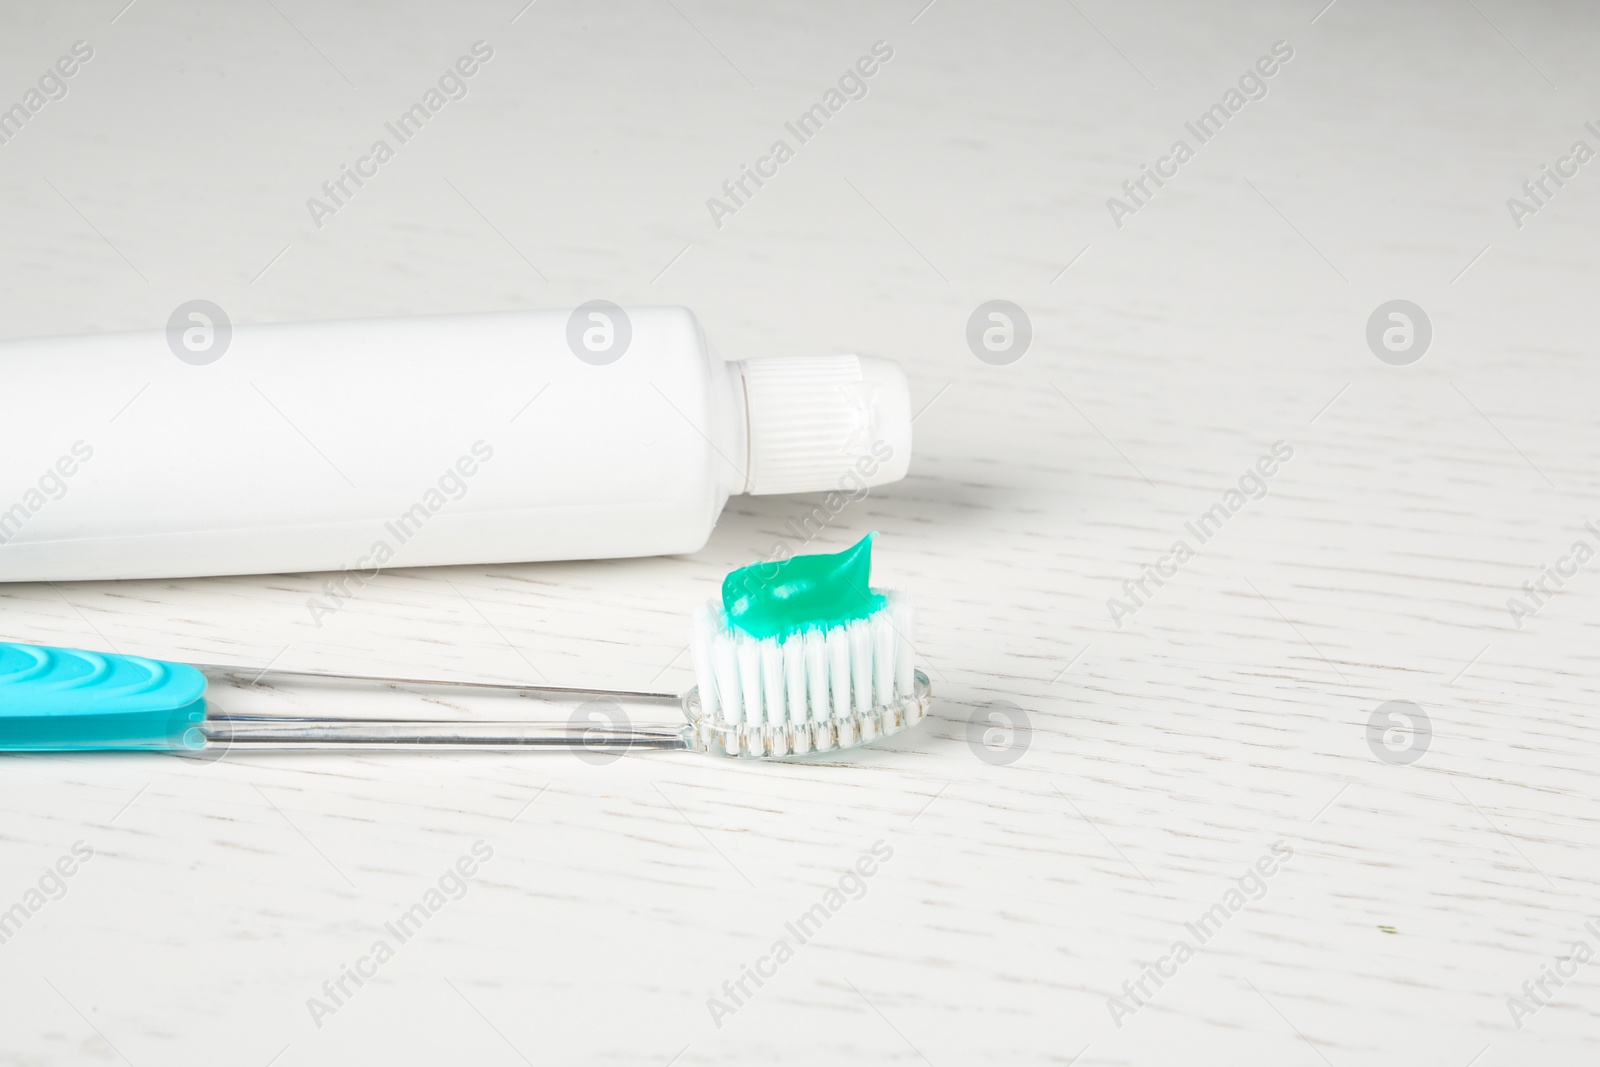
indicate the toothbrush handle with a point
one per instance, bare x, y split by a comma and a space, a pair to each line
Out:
68, 700
246, 732
257, 710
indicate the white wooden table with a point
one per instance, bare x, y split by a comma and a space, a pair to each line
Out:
1432, 872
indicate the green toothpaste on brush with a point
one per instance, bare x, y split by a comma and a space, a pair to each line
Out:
804, 655
779, 599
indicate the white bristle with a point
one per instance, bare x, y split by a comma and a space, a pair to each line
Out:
838, 673
885, 647
725, 661
816, 649
749, 654
773, 691
823, 688
816, 643
794, 676
700, 646
904, 662
860, 666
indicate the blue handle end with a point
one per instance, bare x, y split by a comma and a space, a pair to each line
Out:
67, 700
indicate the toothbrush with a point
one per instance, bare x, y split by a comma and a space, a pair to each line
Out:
796, 657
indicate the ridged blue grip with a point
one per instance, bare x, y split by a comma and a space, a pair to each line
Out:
61, 699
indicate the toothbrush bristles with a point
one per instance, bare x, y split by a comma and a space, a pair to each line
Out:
811, 691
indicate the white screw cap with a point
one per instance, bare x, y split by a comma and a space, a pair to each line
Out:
825, 422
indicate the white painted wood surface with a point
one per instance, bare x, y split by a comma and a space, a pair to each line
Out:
1166, 756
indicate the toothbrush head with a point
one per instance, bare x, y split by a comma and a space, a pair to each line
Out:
803, 656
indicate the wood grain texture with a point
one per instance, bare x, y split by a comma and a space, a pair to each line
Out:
1166, 755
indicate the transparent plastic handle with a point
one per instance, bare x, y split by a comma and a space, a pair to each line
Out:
251, 710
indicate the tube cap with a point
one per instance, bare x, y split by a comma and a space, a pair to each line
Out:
825, 422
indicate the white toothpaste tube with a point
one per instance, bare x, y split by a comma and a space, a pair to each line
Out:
369, 444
